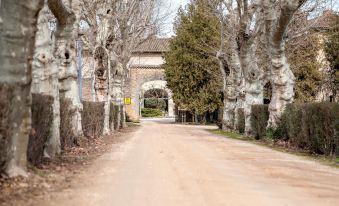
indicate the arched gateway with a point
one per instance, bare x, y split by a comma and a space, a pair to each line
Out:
146, 73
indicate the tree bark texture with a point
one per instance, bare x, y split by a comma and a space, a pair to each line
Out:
65, 57
18, 21
254, 86
229, 67
45, 80
102, 82
116, 92
282, 77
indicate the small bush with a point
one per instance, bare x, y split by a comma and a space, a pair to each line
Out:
259, 118
241, 120
93, 117
149, 112
42, 119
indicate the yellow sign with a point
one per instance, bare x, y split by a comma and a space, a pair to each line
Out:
127, 101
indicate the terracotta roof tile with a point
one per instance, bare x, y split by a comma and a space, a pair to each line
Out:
153, 45
146, 67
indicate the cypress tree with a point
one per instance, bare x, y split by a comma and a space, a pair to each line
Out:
192, 71
332, 55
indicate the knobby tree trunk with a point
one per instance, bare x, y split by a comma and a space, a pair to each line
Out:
45, 80
282, 77
18, 21
283, 86
65, 56
241, 101
254, 87
117, 75
229, 67
102, 83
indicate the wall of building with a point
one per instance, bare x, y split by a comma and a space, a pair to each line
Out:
139, 76
146, 59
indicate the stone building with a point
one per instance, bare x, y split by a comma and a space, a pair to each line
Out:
146, 73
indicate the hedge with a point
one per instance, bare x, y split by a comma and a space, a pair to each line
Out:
42, 119
312, 127
93, 117
241, 120
6, 99
259, 118
149, 112
67, 137
113, 116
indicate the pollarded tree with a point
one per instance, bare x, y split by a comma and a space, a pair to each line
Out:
192, 72
45, 79
67, 17
278, 15
17, 32
243, 78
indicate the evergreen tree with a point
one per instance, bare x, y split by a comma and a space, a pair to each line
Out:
192, 71
332, 54
302, 55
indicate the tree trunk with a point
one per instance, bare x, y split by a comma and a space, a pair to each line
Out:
228, 67
65, 55
253, 78
116, 91
45, 81
282, 88
282, 76
118, 119
102, 82
123, 117
241, 101
18, 21
234, 91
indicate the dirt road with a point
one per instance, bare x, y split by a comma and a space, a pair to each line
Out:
176, 165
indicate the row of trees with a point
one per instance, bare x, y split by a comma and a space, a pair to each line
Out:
257, 43
39, 54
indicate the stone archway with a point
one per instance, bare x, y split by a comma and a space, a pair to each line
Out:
161, 85
139, 79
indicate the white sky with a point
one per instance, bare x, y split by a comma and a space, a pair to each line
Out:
171, 6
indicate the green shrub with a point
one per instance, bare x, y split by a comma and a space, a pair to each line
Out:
67, 137
259, 118
241, 121
149, 112
42, 119
114, 117
291, 126
93, 117
7, 93
155, 103
312, 127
